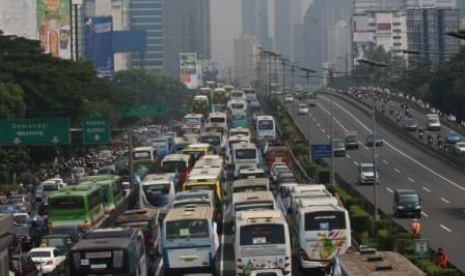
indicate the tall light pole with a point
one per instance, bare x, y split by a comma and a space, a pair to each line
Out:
373, 121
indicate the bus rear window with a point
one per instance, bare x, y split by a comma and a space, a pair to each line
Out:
246, 154
51, 187
265, 124
173, 166
139, 155
183, 229
324, 221
157, 189
200, 187
66, 203
217, 120
213, 140
259, 234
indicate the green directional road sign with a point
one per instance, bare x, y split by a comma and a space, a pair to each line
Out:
39, 132
95, 131
145, 110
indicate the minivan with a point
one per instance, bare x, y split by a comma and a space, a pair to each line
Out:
407, 203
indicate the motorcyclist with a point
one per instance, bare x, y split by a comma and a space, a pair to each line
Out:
439, 139
420, 133
430, 138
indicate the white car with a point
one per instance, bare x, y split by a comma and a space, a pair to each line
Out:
303, 109
48, 259
288, 98
459, 148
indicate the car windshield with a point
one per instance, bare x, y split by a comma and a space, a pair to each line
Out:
367, 169
53, 242
40, 254
410, 198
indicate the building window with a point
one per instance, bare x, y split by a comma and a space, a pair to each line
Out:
396, 37
397, 44
396, 23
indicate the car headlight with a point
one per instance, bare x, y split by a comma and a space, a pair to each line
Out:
400, 207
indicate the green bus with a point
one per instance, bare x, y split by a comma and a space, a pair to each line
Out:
74, 209
112, 190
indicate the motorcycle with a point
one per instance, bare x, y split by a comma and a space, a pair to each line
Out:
420, 134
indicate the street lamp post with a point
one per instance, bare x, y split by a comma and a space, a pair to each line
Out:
373, 126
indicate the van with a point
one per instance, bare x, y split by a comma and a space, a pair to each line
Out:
433, 122
407, 203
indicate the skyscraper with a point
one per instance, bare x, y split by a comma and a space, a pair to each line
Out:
255, 21
245, 59
286, 18
327, 33
186, 29
147, 15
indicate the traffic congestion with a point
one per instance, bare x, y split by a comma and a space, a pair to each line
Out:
222, 172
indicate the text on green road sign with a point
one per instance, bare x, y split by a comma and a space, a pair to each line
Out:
95, 131
34, 132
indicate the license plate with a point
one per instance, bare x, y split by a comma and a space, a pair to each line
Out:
188, 260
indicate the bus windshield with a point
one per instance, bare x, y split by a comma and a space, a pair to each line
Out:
250, 188
217, 120
173, 166
237, 106
213, 140
187, 229
265, 124
260, 234
191, 121
200, 187
246, 154
324, 221
66, 203
142, 155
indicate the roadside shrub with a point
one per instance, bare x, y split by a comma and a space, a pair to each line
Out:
385, 239
360, 219
383, 224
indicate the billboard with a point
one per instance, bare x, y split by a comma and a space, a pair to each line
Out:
98, 48
188, 69
18, 18
54, 27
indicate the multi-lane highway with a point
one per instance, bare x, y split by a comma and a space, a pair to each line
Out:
400, 165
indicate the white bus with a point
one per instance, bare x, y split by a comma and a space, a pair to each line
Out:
323, 232
252, 184
192, 124
262, 241
265, 126
253, 200
157, 190
189, 241
232, 140
244, 155
251, 97
237, 95
218, 118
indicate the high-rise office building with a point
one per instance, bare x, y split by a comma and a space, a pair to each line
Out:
246, 55
361, 6
327, 34
255, 21
147, 15
286, 18
186, 29
427, 28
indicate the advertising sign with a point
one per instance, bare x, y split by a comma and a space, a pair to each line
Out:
211, 71
98, 45
188, 70
54, 27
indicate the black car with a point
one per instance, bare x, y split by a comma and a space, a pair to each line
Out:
407, 203
351, 140
23, 265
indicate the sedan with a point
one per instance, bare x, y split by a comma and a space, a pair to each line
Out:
459, 148
377, 140
410, 124
303, 109
453, 137
288, 98
339, 147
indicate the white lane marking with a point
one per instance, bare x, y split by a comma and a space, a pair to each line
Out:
314, 119
445, 200
328, 136
411, 179
310, 114
318, 124
397, 170
323, 130
356, 163
402, 153
385, 162
427, 190
424, 214
365, 147
348, 156
160, 265
389, 190
334, 117
445, 228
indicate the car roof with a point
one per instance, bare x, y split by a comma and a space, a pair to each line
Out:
406, 191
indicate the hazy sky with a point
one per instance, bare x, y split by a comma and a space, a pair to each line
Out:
226, 26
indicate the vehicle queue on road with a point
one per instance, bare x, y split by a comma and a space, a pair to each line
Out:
186, 196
